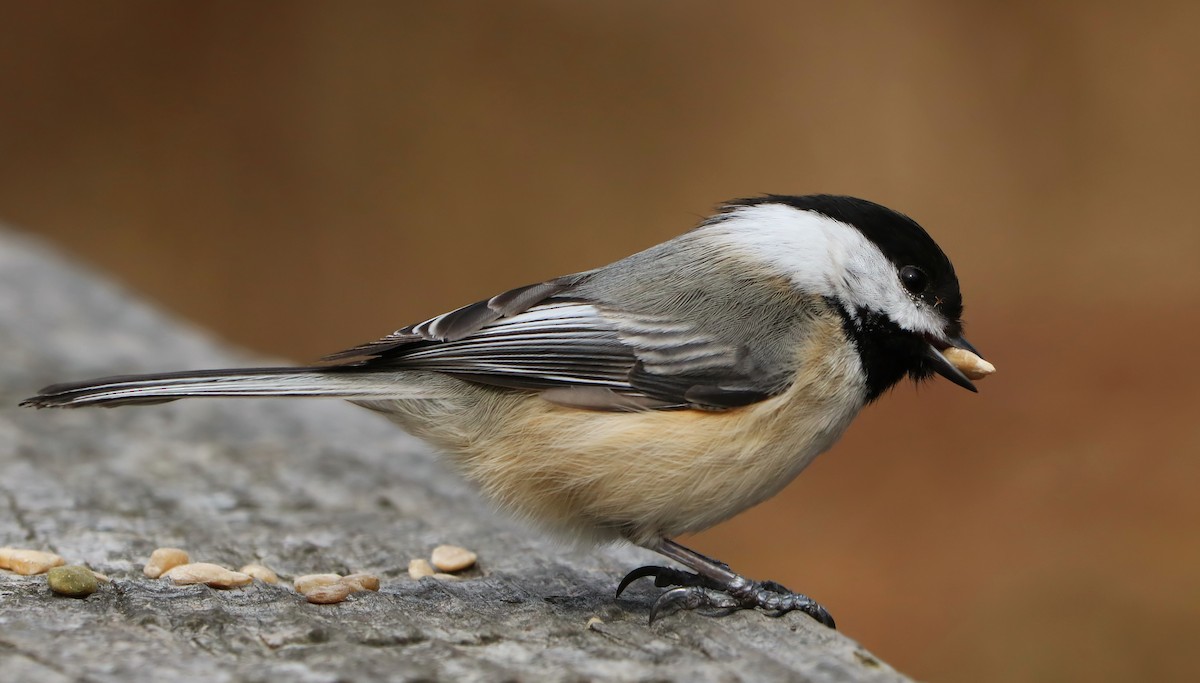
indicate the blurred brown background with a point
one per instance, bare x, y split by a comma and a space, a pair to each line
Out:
301, 177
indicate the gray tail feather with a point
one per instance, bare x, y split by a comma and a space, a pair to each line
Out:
343, 382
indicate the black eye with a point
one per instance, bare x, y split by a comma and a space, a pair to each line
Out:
914, 279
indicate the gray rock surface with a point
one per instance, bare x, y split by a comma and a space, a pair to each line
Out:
303, 487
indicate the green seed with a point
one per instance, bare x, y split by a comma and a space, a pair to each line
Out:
72, 580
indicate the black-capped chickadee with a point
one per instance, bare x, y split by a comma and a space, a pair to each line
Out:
655, 396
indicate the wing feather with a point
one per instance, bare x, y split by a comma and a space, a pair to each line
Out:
575, 351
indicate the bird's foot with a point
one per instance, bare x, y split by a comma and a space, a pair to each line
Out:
716, 598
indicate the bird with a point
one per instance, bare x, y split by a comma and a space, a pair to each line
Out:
658, 395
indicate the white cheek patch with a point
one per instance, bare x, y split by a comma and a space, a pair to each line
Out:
825, 257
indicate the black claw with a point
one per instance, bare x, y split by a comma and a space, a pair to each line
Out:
820, 614
812, 609
663, 577
778, 603
665, 600
639, 573
672, 601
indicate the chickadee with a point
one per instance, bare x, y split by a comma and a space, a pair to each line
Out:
655, 396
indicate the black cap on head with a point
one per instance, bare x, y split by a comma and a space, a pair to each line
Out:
901, 239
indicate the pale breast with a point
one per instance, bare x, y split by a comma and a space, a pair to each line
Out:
647, 474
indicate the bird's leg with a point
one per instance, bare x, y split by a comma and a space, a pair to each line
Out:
715, 587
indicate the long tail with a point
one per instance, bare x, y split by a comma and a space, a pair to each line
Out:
344, 382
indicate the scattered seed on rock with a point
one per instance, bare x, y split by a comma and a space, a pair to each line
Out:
258, 571
29, 562
451, 558
213, 575
72, 580
595, 623
102, 578
310, 582
328, 593
442, 576
419, 568
164, 559
361, 582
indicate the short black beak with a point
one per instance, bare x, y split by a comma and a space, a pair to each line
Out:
943, 367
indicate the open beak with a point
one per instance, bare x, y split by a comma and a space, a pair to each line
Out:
943, 367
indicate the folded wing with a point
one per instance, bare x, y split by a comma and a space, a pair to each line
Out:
577, 352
